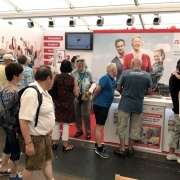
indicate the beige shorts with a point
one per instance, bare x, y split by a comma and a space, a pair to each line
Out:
42, 149
134, 127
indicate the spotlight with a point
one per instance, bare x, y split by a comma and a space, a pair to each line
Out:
157, 20
10, 23
30, 24
51, 23
130, 21
72, 22
100, 21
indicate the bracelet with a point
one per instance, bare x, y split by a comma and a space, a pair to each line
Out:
28, 143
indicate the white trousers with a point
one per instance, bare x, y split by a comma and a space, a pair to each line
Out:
65, 131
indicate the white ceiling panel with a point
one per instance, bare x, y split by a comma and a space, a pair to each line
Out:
5, 7
27, 5
157, 1
97, 3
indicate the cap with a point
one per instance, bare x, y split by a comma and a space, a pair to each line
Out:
8, 56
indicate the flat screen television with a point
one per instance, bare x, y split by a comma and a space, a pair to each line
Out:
78, 41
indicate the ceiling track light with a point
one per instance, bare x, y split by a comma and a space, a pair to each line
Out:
10, 23
157, 19
72, 22
51, 23
30, 24
100, 21
130, 21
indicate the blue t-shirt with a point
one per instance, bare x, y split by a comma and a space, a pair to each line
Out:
134, 82
106, 95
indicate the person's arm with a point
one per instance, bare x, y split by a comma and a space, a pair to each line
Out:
149, 86
176, 74
92, 88
97, 92
7, 45
29, 147
76, 88
15, 48
120, 83
2, 46
119, 88
156, 71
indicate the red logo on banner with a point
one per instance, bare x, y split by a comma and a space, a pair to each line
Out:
53, 38
48, 50
52, 44
176, 41
48, 56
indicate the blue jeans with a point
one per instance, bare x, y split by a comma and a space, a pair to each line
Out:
11, 143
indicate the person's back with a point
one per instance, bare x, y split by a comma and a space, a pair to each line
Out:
134, 82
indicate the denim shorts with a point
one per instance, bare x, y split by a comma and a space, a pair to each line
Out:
11, 142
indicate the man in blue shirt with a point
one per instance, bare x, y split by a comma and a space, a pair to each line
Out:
103, 97
133, 83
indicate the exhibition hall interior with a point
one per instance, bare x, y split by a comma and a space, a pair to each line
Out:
92, 36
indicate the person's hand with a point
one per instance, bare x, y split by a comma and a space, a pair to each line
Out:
88, 94
30, 149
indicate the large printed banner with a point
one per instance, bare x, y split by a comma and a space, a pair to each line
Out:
152, 128
159, 52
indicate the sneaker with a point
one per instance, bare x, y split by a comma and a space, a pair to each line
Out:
78, 134
15, 178
103, 146
6, 173
120, 153
171, 157
103, 154
130, 152
178, 160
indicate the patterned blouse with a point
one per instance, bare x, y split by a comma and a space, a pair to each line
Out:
85, 83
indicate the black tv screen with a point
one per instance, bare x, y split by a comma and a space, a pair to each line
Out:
78, 41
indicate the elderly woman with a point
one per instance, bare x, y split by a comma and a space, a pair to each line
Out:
137, 43
82, 108
66, 87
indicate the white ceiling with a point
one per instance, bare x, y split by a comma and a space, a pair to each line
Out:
110, 22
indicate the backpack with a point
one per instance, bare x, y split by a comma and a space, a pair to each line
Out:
12, 110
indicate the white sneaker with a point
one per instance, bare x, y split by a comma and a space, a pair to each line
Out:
172, 157
178, 160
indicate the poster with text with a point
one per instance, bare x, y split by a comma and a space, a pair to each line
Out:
152, 128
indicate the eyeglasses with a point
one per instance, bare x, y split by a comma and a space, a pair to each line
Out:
78, 61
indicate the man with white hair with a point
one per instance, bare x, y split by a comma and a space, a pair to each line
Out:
7, 58
133, 83
102, 98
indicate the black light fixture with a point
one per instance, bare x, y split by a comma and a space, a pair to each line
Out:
51, 23
130, 21
72, 22
30, 24
10, 23
100, 21
157, 19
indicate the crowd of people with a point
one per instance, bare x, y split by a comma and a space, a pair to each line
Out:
69, 97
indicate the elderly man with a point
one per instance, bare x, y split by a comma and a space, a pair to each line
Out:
103, 97
35, 142
27, 76
119, 59
7, 58
133, 83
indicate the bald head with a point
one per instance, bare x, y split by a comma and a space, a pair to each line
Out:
136, 63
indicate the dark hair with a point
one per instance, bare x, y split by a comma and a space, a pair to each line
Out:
118, 40
73, 59
13, 69
42, 73
65, 66
22, 59
178, 65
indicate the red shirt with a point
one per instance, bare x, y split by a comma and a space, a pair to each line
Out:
146, 62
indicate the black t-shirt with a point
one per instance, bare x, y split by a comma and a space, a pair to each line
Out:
174, 85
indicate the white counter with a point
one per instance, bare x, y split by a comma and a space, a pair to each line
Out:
153, 109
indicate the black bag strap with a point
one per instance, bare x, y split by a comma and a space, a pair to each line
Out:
40, 99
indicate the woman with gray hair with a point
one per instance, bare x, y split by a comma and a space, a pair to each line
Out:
137, 43
82, 108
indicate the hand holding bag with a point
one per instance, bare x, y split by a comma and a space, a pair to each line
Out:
85, 96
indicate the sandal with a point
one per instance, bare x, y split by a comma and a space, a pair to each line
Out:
120, 152
67, 148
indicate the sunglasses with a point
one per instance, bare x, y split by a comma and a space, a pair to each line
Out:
78, 61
